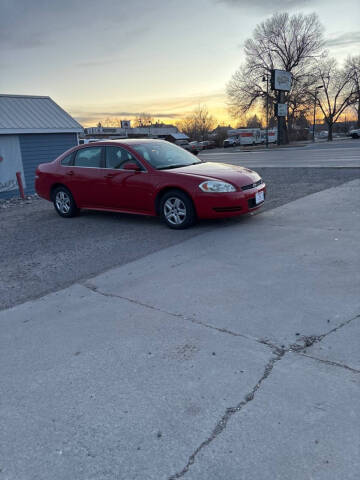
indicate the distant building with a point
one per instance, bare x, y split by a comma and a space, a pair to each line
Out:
33, 130
151, 131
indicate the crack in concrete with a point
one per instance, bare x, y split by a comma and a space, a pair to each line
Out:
278, 354
221, 425
95, 289
308, 341
330, 362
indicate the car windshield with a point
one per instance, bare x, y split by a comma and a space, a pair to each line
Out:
164, 155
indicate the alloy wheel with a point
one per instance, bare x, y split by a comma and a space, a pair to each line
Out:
63, 202
175, 211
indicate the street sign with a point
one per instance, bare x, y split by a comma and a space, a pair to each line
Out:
280, 80
281, 109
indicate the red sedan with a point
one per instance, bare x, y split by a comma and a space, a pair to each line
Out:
149, 177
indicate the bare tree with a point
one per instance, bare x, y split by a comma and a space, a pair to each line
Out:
143, 120
337, 91
254, 122
352, 65
110, 122
198, 124
283, 42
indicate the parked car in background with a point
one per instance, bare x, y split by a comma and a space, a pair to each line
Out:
85, 141
207, 144
323, 134
355, 133
189, 146
196, 145
231, 142
148, 177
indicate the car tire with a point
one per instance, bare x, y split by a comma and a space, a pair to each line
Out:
64, 202
177, 210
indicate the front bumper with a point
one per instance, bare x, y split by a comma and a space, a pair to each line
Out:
222, 205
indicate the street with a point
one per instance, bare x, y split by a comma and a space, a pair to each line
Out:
339, 154
228, 351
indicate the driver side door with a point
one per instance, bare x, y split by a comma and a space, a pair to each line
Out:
126, 189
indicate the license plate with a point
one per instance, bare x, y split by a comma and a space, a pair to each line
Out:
259, 197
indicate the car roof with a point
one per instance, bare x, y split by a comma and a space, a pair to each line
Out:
127, 141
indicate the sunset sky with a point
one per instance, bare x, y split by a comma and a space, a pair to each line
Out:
115, 58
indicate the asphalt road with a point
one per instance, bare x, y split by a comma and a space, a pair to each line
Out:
41, 252
341, 153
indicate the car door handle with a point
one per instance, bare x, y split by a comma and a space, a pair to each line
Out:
110, 175
70, 172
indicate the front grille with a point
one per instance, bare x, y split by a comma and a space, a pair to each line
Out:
252, 185
227, 209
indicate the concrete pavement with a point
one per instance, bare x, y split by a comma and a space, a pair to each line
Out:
233, 355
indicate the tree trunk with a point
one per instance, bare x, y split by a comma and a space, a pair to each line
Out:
290, 124
285, 133
330, 132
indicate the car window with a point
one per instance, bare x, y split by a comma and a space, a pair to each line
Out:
88, 157
165, 155
116, 157
67, 160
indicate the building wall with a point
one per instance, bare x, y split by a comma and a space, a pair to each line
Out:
40, 148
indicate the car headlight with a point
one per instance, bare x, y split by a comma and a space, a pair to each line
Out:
215, 186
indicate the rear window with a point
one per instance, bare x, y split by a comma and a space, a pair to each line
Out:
88, 157
67, 160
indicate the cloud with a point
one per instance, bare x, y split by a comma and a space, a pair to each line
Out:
130, 114
26, 40
344, 39
266, 5
164, 108
94, 63
28, 24
92, 118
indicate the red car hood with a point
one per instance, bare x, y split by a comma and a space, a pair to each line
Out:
234, 174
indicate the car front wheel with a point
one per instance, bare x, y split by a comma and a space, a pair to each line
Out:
177, 210
64, 202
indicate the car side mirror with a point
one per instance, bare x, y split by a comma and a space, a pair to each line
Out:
131, 166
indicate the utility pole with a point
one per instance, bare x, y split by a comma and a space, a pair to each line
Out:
266, 78
316, 90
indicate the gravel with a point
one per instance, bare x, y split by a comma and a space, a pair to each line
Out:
41, 252
18, 202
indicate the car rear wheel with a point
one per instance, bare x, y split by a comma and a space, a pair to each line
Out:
64, 202
177, 210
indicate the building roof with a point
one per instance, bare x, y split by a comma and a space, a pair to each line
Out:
179, 136
34, 114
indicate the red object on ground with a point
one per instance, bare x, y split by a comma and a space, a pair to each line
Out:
98, 177
21, 187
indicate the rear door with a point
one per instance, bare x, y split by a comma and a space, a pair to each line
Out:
85, 177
